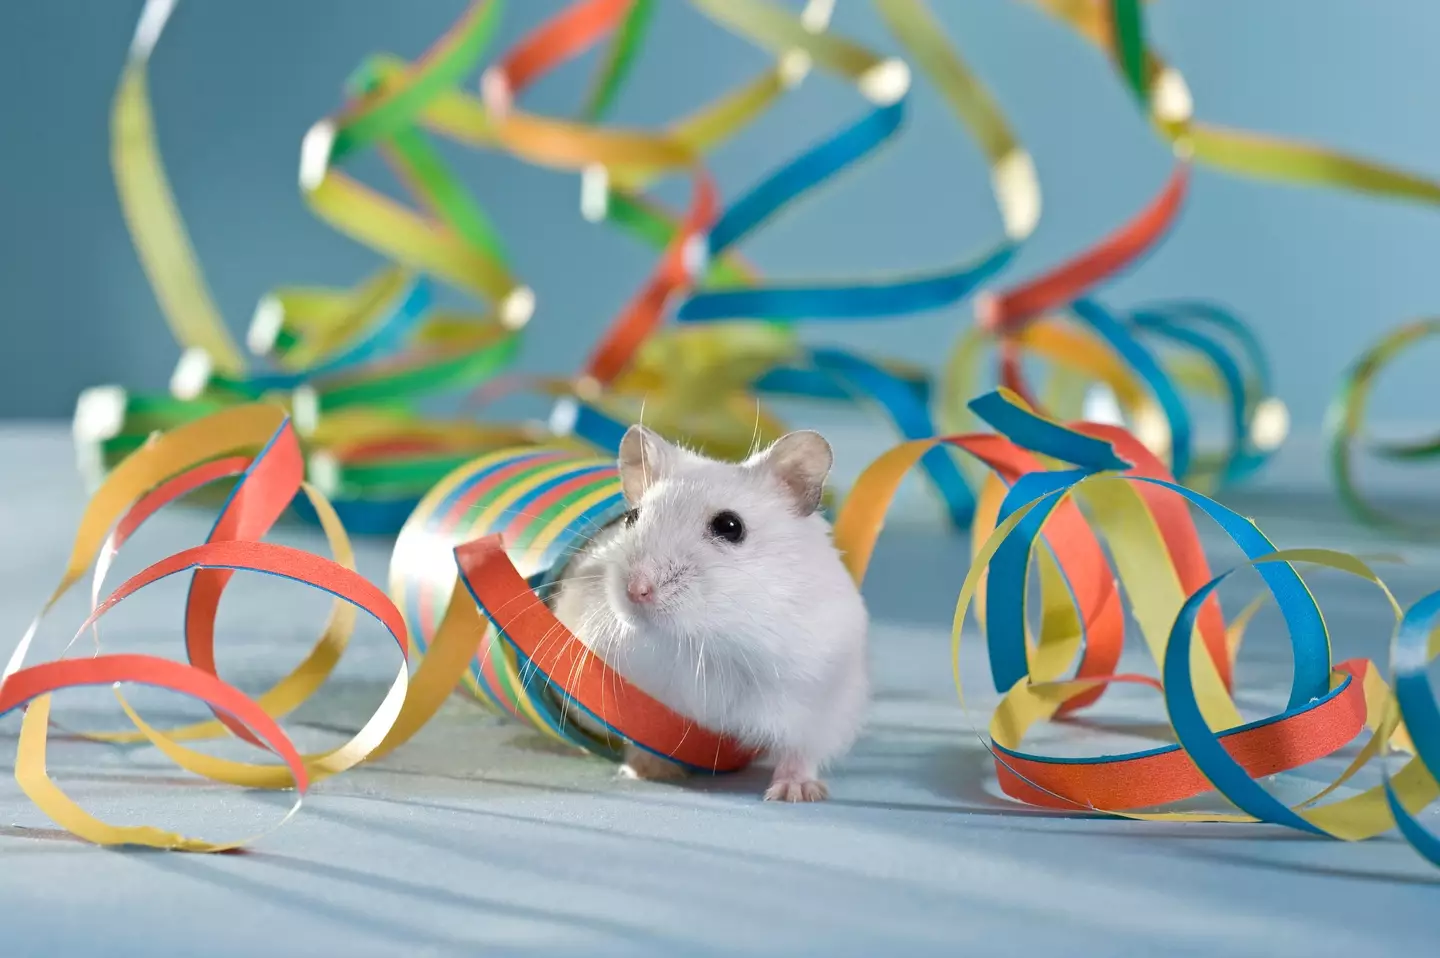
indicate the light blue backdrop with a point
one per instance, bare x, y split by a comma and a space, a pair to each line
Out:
237, 84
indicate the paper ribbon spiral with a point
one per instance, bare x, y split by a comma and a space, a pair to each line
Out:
1043, 473
1345, 422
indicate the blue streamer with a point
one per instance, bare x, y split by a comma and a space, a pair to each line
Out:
1047, 438
804, 173
1173, 321
598, 429
1009, 571
1409, 658
807, 382
1138, 358
860, 301
365, 517
911, 417
912, 294
1199, 742
386, 337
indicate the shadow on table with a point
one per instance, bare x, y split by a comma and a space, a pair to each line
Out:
1239, 858
389, 922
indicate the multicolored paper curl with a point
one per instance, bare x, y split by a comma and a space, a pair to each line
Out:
1056, 493
1235, 373
1145, 363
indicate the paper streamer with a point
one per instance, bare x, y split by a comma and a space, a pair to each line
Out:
1345, 421
1207, 352
1154, 556
1118, 28
546, 503
886, 84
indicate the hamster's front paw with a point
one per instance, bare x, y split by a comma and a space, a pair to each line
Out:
796, 779
650, 767
796, 790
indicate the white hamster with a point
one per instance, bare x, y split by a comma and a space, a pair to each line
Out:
721, 595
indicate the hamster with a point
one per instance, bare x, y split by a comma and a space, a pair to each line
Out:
721, 595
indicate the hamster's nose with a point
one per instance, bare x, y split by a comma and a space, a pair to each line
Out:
640, 589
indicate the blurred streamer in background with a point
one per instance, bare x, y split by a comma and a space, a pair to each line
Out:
236, 86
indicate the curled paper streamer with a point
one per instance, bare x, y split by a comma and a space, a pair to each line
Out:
886, 84
256, 445
1344, 426
351, 359
364, 354
726, 296
1207, 351
546, 502
1155, 556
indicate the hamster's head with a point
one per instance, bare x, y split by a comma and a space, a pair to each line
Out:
718, 548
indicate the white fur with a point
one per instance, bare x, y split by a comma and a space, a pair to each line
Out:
764, 639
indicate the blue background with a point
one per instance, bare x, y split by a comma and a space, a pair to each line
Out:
236, 85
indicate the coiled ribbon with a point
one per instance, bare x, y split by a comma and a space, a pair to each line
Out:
1344, 427
1155, 560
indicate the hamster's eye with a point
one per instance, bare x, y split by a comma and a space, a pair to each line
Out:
630, 516
727, 525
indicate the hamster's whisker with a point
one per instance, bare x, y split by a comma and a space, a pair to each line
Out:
584, 628
644, 459
755, 434
536, 516
509, 602
539, 648
750, 664
581, 662
623, 650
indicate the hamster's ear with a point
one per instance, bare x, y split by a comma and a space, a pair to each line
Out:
644, 457
801, 461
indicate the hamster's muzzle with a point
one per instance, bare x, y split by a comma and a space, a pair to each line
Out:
640, 589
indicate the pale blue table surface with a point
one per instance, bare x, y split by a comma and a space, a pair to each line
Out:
478, 839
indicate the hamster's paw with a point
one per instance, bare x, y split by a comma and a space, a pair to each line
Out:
796, 779
641, 764
794, 790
